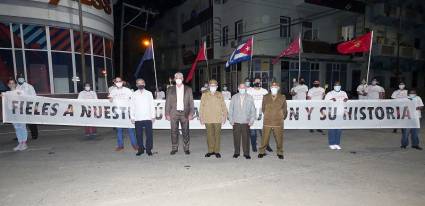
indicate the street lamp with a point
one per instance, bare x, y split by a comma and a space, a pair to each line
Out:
146, 42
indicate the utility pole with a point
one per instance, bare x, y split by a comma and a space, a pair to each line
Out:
82, 52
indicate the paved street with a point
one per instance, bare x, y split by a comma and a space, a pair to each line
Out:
64, 168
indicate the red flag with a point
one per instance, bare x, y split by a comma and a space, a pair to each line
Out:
359, 44
200, 57
293, 48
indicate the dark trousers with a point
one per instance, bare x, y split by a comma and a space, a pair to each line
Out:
34, 130
179, 118
147, 125
240, 132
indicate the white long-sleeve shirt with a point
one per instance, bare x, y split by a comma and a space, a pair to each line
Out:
26, 89
142, 106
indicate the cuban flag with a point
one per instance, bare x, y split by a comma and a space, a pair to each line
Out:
242, 53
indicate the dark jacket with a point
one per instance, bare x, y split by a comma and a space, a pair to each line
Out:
171, 101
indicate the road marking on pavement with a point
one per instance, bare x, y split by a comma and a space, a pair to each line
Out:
45, 130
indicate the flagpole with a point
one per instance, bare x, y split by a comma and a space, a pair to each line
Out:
206, 58
370, 53
154, 66
299, 57
252, 54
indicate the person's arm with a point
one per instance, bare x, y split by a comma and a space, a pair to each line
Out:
132, 108
382, 93
231, 105
191, 104
32, 91
202, 108
95, 95
167, 104
223, 109
79, 96
284, 107
152, 106
309, 95
252, 111
345, 97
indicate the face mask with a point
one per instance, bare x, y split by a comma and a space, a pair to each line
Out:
118, 84
225, 88
374, 82
213, 89
337, 88
257, 84
274, 90
412, 95
87, 88
21, 80
247, 84
401, 86
242, 91
179, 81
205, 85
141, 87
316, 85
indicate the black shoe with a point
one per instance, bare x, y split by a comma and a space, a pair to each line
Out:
209, 154
149, 153
218, 155
187, 152
173, 152
311, 131
269, 149
261, 155
395, 131
235, 155
247, 157
280, 157
417, 147
140, 152
403, 147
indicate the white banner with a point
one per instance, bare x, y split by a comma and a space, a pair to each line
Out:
312, 114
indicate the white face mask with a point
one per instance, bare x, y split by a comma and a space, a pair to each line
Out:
337, 88
225, 88
179, 81
213, 88
401, 86
412, 95
247, 84
118, 84
21, 80
242, 91
374, 82
274, 90
87, 88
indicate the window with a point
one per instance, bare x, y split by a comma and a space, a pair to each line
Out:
108, 48
99, 74
60, 39
225, 36
34, 37
19, 62
16, 28
347, 32
88, 69
215, 74
97, 45
238, 30
77, 42
336, 72
284, 76
5, 36
109, 73
6, 65
38, 71
62, 72
307, 30
285, 26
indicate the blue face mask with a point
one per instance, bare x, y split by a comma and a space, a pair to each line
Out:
337, 88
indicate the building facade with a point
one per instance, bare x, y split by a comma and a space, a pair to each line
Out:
223, 24
41, 40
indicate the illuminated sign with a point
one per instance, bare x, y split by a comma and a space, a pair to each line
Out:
97, 4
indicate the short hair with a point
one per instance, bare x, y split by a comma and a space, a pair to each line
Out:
140, 79
178, 74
